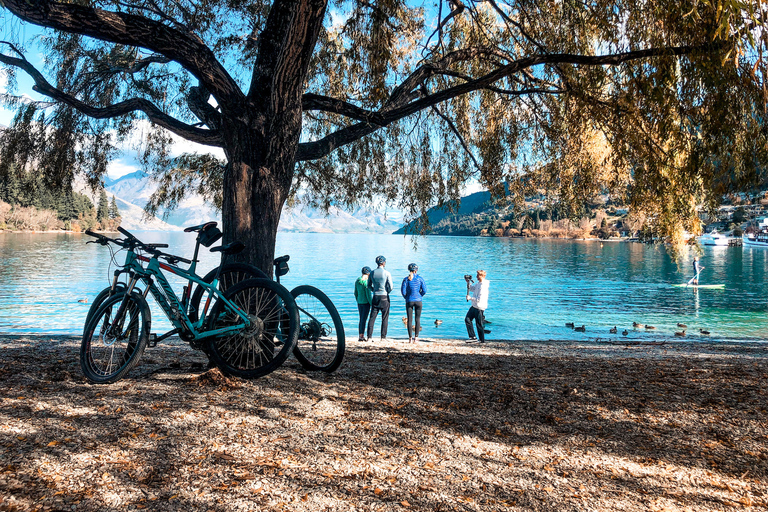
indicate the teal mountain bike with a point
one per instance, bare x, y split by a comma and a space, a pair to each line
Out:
248, 329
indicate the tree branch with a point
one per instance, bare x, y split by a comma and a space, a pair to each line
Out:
285, 48
397, 109
458, 135
206, 137
312, 101
132, 30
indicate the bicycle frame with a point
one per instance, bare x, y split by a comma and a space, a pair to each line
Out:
173, 308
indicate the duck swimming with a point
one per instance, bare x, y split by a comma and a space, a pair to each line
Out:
681, 333
702, 331
682, 325
580, 329
625, 332
649, 327
614, 330
438, 322
636, 325
569, 324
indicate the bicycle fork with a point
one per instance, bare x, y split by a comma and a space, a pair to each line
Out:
116, 327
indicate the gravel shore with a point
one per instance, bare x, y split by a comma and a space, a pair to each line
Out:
440, 425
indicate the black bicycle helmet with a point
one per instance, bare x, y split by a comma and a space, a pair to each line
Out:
380, 260
366, 270
413, 267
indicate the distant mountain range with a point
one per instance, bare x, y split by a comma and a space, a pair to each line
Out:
133, 190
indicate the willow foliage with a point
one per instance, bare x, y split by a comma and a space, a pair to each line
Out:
660, 103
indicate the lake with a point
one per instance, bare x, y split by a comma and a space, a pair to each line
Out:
536, 286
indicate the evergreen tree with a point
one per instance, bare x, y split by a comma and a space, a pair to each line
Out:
102, 212
113, 211
83, 205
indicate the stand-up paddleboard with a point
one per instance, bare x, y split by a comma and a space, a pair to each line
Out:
699, 286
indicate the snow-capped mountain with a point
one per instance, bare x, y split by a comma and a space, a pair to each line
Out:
131, 214
133, 190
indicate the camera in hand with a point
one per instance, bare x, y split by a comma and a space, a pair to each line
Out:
468, 277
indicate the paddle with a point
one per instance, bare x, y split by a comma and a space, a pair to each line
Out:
695, 278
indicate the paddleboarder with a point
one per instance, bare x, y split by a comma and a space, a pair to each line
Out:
697, 268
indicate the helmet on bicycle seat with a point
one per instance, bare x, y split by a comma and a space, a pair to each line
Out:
413, 267
366, 270
380, 260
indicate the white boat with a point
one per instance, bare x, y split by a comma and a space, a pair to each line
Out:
714, 238
755, 239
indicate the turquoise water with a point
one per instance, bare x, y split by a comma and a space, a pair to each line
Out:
536, 285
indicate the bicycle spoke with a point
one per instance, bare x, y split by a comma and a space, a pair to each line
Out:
259, 347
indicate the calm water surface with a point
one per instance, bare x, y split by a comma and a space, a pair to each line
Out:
536, 285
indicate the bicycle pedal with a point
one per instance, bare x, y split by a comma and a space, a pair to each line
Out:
152, 341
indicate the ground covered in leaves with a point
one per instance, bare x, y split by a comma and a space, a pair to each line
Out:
441, 425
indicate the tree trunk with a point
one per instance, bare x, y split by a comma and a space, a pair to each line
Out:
256, 184
262, 135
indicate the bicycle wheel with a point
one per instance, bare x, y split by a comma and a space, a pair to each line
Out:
263, 346
321, 342
99, 300
112, 345
231, 273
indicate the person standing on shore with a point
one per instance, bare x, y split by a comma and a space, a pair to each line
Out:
413, 289
363, 296
380, 283
479, 297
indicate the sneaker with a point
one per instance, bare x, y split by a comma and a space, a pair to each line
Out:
471, 339
361, 338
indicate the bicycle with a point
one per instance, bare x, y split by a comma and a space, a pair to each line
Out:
229, 273
321, 341
249, 331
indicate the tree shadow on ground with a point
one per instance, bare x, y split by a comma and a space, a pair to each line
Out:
454, 431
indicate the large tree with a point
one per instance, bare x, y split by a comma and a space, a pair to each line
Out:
658, 102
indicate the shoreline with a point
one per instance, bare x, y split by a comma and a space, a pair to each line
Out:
669, 341
439, 425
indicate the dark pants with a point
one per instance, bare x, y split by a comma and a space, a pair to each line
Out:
412, 308
379, 303
363, 310
476, 315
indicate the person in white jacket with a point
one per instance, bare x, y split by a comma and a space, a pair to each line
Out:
479, 297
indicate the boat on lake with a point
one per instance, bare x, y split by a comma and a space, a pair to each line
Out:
714, 238
759, 239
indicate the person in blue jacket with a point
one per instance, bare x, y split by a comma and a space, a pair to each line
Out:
413, 289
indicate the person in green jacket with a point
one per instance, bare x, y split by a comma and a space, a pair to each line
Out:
363, 295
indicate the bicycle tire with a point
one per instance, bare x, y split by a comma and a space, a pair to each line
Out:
321, 342
231, 273
106, 357
99, 300
261, 348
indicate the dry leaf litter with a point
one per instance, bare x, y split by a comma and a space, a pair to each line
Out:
438, 426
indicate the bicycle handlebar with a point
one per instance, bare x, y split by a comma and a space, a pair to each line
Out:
131, 241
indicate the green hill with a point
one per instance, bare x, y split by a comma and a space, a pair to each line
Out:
473, 214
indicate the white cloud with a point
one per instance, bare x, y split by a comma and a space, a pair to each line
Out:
121, 167
471, 187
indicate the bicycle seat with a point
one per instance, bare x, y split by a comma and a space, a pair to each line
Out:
201, 227
233, 248
281, 259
